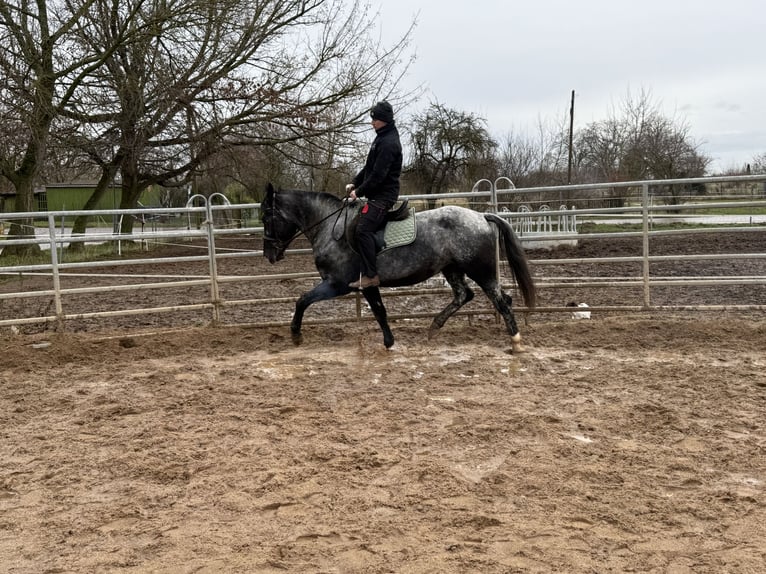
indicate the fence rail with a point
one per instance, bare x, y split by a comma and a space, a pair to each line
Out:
556, 226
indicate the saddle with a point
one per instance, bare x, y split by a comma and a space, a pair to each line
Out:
399, 212
399, 230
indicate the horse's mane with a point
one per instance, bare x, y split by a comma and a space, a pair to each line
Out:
322, 196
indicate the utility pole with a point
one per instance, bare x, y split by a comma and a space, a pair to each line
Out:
571, 129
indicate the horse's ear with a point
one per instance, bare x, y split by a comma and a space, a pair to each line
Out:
269, 188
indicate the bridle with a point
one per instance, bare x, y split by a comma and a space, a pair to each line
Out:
270, 211
268, 235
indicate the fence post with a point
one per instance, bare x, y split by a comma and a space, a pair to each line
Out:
645, 217
55, 272
215, 297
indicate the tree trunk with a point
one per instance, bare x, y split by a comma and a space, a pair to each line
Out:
81, 221
23, 228
131, 192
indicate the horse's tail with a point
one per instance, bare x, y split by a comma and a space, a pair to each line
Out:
517, 259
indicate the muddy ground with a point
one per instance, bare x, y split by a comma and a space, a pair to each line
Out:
623, 443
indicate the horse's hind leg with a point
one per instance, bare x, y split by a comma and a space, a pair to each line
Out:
503, 304
462, 294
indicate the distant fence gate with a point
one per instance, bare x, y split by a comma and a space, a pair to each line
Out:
208, 219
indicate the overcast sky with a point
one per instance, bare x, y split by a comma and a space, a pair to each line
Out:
515, 63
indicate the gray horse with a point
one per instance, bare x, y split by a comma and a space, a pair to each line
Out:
455, 241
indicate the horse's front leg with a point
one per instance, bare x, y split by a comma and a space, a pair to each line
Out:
323, 291
372, 294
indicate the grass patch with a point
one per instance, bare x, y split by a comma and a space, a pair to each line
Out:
102, 251
590, 227
732, 211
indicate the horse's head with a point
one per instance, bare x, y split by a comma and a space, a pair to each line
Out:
278, 231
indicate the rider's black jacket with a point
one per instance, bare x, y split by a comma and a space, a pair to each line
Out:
379, 179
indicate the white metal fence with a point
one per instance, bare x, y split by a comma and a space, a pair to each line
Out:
548, 225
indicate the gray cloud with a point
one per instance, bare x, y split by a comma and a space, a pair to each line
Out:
515, 63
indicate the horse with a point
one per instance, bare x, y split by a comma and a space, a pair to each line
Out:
455, 241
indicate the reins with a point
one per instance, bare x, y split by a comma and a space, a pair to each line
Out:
345, 219
283, 244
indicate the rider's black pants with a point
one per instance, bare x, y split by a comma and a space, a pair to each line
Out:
372, 219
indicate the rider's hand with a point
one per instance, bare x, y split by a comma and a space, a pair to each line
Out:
350, 187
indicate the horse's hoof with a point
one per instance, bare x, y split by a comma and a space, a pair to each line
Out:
297, 338
516, 345
388, 341
432, 332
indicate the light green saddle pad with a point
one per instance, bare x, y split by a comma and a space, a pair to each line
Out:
399, 233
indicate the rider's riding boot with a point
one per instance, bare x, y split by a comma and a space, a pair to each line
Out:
365, 282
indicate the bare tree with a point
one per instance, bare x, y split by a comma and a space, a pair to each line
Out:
518, 157
639, 142
156, 88
41, 70
202, 77
758, 165
445, 144
552, 152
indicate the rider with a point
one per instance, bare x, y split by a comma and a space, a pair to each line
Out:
379, 183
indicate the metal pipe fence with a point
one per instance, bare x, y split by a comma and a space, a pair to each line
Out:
501, 193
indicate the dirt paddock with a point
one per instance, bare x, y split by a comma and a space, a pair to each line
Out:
632, 443
612, 445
